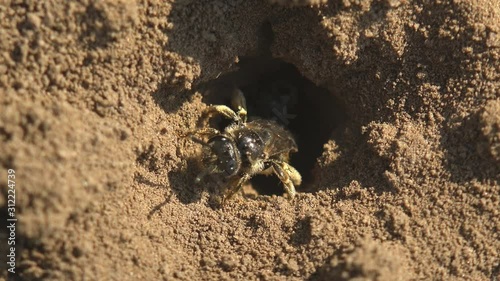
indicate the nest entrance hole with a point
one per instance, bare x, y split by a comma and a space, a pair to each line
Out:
276, 90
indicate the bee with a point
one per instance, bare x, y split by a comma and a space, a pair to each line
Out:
244, 149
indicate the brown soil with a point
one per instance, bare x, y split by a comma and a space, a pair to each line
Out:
398, 125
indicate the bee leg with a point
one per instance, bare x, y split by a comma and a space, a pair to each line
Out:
288, 175
218, 109
194, 135
239, 102
235, 187
210, 132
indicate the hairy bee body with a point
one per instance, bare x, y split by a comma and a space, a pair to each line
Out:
244, 149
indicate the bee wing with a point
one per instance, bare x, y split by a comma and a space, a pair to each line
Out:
280, 140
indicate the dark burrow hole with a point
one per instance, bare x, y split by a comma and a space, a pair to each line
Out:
276, 90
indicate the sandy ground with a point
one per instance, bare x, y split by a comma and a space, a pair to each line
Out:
395, 106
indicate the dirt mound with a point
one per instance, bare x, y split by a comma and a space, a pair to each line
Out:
394, 106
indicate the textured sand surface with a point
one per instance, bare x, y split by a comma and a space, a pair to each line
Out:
396, 110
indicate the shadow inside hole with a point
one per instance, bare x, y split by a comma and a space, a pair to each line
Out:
276, 90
